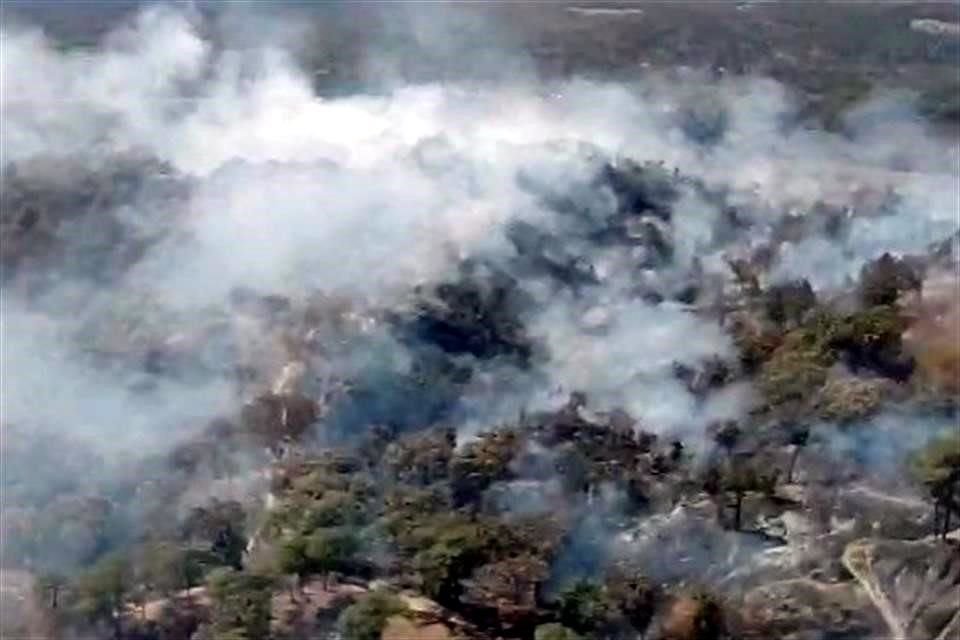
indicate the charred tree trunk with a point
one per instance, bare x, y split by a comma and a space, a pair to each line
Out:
54, 596
737, 510
793, 463
116, 623
295, 584
948, 506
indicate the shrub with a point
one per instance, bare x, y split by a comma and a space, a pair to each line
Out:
849, 399
584, 606
366, 619
241, 605
793, 375
555, 631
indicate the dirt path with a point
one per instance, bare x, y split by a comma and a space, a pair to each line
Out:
858, 559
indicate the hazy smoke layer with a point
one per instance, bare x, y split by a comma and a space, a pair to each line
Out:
367, 196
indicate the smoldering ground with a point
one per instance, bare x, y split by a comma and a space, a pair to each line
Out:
378, 198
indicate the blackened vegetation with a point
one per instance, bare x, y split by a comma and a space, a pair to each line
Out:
641, 190
477, 315
788, 303
401, 400
541, 254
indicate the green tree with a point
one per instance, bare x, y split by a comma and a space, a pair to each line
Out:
162, 568
447, 548
585, 607
322, 552
219, 524
240, 605
100, 593
365, 619
793, 374
330, 550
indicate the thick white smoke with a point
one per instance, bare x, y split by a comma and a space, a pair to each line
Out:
369, 195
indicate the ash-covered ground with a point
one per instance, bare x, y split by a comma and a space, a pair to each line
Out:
541, 322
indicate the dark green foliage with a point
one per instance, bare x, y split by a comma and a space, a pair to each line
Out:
447, 549
621, 606
322, 551
869, 339
366, 619
99, 594
404, 506
166, 567
329, 491
585, 607
240, 605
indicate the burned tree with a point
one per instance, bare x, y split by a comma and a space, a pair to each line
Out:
744, 474
938, 467
787, 303
884, 279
